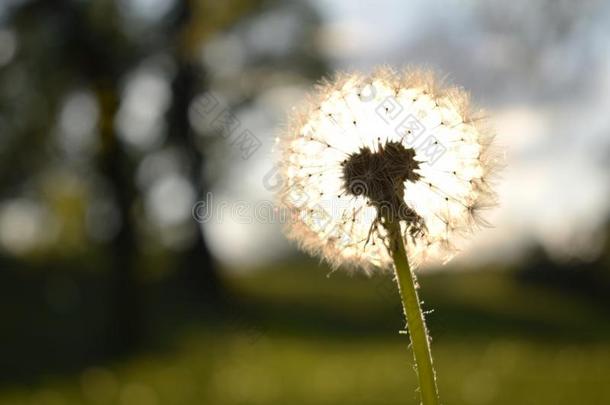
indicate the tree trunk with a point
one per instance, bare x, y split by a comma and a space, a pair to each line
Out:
124, 327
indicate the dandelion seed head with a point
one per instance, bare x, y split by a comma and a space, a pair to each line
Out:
364, 148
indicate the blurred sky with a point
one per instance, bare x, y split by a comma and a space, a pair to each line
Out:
539, 68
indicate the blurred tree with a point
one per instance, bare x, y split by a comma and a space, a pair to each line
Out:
67, 44
591, 278
88, 263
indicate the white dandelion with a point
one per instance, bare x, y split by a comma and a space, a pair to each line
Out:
387, 169
363, 145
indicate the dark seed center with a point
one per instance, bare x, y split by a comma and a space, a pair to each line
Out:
380, 176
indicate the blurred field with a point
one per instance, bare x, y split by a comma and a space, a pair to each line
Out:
297, 336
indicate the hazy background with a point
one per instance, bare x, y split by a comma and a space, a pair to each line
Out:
138, 261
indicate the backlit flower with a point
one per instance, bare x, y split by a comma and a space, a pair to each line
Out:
366, 148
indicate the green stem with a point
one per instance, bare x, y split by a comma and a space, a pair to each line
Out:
415, 319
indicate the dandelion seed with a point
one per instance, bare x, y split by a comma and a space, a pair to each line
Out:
389, 145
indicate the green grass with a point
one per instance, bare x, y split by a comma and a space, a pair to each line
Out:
298, 337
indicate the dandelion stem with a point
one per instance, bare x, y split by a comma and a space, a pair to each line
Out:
415, 320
